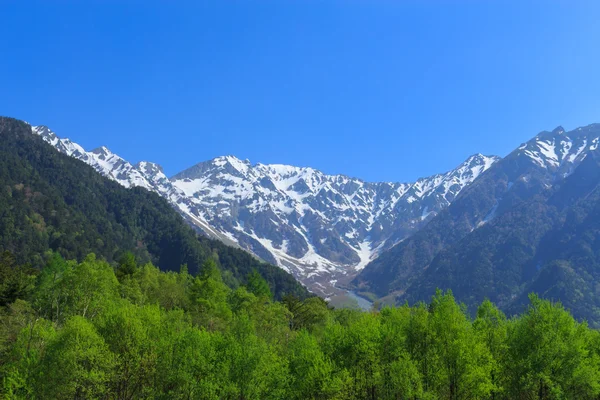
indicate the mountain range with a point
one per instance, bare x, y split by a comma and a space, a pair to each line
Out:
321, 228
531, 223
493, 227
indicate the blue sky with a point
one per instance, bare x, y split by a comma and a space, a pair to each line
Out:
381, 90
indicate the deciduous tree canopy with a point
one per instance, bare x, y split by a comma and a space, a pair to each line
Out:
75, 330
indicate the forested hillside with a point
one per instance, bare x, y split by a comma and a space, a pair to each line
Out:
531, 223
548, 245
82, 331
52, 202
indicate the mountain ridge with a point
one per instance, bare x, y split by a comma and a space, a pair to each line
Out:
322, 228
499, 238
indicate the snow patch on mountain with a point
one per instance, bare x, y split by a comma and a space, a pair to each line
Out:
560, 151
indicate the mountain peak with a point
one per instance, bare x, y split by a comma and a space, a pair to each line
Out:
559, 150
481, 158
225, 159
40, 128
241, 166
44, 132
149, 168
102, 151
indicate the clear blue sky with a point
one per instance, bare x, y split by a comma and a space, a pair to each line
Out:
381, 90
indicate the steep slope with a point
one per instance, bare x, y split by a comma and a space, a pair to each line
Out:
314, 224
322, 228
50, 201
505, 234
548, 244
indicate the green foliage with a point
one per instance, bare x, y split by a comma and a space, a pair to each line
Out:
550, 354
15, 280
256, 285
68, 288
127, 265
79, 332
313, 374
24, 369
491, 327
461, 358
209, 298
76, 364
309, 314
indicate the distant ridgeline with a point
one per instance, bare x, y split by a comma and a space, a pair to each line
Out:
52, 202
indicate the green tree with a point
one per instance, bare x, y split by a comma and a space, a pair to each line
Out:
51, 296
550, 356
16, 281
258, 286
127, 265
133, 334
419, 341
84, 289
313, 374
310, 314
77, 364
355, 348
254, 370
190, 365
400, 374
462, 361
491, 326
209, 297
22, 370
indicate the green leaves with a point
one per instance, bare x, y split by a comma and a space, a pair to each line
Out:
16, 281
67, 288
168, 335
550, 354
78, 363
461, 358
313, 374
258, 286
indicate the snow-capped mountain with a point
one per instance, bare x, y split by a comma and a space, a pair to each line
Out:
322, 228
102, 159
561, 151
312, 224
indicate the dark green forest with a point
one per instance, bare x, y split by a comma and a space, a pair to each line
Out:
89, 330
52, 202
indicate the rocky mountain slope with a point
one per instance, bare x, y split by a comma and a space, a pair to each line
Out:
321, 228
528, 224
